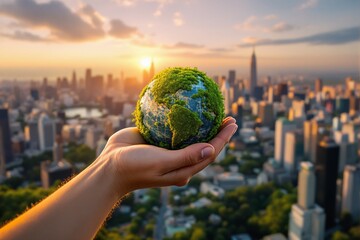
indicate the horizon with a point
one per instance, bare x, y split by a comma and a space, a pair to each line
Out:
298, 37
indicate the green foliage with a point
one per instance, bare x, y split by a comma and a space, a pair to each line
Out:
31, 166
179, 119
198, 234
165, 85
355, 232
80, 154
15, 201
340, 236
228, 160
275, 218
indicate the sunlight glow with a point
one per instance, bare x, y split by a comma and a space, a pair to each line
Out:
145, 62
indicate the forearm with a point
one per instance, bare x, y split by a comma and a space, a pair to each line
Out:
75, 211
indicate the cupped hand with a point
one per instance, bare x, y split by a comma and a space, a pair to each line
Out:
136, 164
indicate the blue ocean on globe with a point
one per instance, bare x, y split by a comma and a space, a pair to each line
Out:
155, 114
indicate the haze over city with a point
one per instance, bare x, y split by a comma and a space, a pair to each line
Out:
49, 38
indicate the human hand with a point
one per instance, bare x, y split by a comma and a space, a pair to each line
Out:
135, 164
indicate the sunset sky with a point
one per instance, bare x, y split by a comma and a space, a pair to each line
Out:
51, 38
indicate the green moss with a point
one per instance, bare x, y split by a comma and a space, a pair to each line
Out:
182, 122
138, 119
171, 80
179, 119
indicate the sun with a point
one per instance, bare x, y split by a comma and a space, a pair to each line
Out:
145, 62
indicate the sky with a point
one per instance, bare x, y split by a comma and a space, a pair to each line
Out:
48, 38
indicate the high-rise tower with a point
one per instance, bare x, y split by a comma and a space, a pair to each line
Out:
6, 154
307, 220
326, 170
253, 74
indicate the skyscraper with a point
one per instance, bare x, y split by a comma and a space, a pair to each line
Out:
46, 132
294, 150
351, 191
326, 170
307, 220
318, 85
6, 154
253, 74
266, 114
232, 78
282, 126
225, 90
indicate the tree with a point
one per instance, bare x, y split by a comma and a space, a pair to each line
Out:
198, 234
80, 154
340, 236
355, 232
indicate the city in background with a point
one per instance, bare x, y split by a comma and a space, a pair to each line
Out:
288, 77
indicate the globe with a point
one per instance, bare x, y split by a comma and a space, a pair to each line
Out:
179, 107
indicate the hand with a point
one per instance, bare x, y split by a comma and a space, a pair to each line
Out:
136, 164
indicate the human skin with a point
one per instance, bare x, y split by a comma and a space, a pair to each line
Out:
78, 209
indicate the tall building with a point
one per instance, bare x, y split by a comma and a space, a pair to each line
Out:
312, 136
326, 170
307, 220
6, 154
73, 81
351, 191
294, 150
225, 90
253, 74
232, 78
348, 150
53, 171
46, 128
58, 149
266, 114
318, 85
282, 126
32, 134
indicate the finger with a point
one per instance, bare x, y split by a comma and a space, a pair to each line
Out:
223, 137
180, 177
226, 122
128, 136
188, 156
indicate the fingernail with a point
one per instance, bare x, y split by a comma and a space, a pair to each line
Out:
207, 152
234, 131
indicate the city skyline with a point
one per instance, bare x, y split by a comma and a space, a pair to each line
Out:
47, 38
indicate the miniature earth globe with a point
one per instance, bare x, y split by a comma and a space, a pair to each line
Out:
179, 107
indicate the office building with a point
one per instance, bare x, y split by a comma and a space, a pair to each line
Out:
294, 150
348, 150
46, 127
326, 171
282, 126
266, 114
6, 154
253, 74
307, 220
351, 191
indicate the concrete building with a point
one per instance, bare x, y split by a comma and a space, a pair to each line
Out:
6, 153
351, 191
326, 171
307, 220
266, 114
253, 74
282, 126
46, 127
348, 150
294, 150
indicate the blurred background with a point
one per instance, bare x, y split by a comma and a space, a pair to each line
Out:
71, 72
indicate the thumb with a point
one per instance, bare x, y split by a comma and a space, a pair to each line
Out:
188, 156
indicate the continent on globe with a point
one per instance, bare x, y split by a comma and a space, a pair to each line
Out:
179, 107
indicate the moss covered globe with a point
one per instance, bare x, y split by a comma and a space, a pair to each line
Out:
179, 107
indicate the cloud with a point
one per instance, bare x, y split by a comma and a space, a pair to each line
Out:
93, 17
270, 17
23, 35
178, 19
308, 4
120, 30
281, 27
57, 18
248, 24
126, 3
341, 36
183, 45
